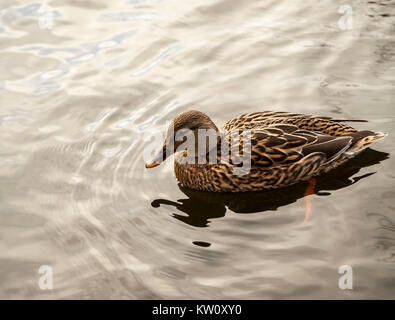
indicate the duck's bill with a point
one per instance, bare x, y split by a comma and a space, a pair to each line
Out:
151, 164
157, 160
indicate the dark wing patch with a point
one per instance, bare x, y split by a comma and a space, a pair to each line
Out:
331, 148
273, 141
259, 135
360, 135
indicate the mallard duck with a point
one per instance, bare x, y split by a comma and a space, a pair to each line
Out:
283, 149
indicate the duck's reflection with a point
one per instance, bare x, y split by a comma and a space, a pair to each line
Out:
200, 206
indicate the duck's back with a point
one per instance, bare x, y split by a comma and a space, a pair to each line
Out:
318, 123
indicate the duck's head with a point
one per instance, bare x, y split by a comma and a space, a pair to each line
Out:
182, 127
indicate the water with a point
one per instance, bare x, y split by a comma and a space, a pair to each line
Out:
81, 82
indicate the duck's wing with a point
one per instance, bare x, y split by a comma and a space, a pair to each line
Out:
323, 124
283, 145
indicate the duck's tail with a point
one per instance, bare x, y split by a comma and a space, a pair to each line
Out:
342, 119
363, 139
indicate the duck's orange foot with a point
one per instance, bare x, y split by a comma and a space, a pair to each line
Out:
308, 193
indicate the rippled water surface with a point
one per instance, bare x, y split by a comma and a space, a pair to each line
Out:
83, 82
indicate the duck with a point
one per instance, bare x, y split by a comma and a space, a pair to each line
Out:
260, 150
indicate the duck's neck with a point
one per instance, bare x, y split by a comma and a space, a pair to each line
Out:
203, 146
